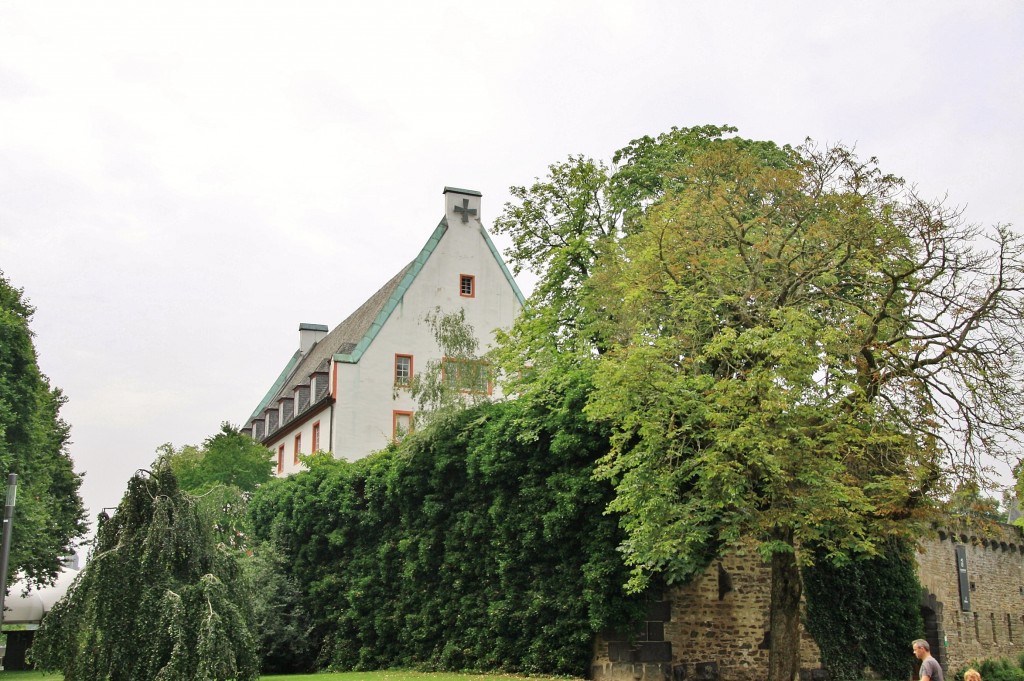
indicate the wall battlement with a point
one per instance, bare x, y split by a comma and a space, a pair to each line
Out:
716, 627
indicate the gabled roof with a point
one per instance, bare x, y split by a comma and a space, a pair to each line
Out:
348, 340
343, 338
353, 355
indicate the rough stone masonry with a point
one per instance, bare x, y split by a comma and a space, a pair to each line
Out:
716, 627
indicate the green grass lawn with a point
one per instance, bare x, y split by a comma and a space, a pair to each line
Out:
403, 676
347, 676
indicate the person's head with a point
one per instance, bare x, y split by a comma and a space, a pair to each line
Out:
972, 675
921, 649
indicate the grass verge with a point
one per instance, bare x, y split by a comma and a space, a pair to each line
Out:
392, 675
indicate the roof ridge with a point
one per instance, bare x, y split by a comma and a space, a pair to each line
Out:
352, 356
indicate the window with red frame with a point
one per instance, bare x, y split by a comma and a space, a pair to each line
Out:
467, 285
298, 447
316, 437
401, 424
280, 459
403, 370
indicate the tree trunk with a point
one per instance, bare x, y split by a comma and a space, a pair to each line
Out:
784, 620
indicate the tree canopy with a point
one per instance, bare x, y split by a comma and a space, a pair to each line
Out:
227, 458
221, 473
49, 515
159, 598
790, 346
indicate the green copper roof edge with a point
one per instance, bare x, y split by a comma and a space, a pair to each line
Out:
396, 296
501, 264
278, 384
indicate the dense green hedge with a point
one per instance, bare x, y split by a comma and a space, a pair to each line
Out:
866, 613
479, 544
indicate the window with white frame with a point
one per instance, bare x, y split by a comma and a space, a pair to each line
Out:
403, 370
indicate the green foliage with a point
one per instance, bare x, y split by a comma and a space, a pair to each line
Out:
460, 378
862, 613
221, 474
737, 386
33, 443
788, 344
969, 506
280, 621
994, 669
228, 458
464, 548
157, 600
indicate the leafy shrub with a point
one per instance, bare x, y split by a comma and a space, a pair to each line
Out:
996, 669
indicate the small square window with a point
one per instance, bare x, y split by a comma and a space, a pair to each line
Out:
403, 370
467, 285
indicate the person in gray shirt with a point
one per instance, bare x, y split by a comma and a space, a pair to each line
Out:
930, 669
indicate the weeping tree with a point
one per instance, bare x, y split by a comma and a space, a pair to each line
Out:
157, 600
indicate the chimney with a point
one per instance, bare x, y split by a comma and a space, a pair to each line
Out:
462, 206
309, 334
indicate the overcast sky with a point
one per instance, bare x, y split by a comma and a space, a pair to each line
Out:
183, 183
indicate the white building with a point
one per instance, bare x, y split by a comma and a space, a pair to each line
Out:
346, 391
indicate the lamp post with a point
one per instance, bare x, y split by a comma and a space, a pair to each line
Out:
5, 550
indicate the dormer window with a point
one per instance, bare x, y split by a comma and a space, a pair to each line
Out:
467, 285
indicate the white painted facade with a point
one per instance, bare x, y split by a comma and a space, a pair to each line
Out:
357, 414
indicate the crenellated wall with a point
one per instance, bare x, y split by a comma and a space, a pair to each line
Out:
994, 624
716, 627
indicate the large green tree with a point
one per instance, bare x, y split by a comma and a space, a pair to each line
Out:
222, 473
228, 458
33, 443
159, 598
791, 347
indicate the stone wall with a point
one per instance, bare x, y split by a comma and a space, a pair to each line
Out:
718, 629
994, 624
717, 626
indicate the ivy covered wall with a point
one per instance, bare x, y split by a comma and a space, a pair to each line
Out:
479, 544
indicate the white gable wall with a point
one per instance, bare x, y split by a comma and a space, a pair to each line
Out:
366, 400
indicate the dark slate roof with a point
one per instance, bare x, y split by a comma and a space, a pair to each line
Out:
342, 340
